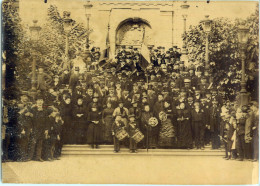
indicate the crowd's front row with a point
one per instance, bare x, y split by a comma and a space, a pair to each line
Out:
38, 131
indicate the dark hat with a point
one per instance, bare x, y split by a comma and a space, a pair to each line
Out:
79, 97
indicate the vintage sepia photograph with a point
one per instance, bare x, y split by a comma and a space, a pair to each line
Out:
130, 92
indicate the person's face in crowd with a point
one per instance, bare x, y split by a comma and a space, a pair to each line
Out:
191, 72
172, 85
90, 92
40, 70
152, 77
118, 118
160, 97
137, 96
197, 94
94, 109
56, 79
67, 101
132, 119
203, 101
135, 88
39, 102
199, 74
197, 106
187, 85
126, 92
215, 103
66, 72
140, 83
182, 98
182, 105
24, 99
166, 104
118, 86
80, 101
135, 105
109, 105
214, 94
95, 99
96, 85
208, 96
146, 108
150, 92
111, 91
121, 105
113, 70
183, 94
144, 100
203, 81
190, 99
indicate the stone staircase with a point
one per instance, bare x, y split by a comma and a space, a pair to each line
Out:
84, 150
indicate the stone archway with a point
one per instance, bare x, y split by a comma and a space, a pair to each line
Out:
133, 32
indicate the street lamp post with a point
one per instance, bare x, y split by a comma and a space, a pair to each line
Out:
206, 24
184, 7
35, 29
87, 7
67, 21
243, 34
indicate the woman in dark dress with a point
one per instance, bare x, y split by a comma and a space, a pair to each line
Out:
107, 120
94, 133
184, 127
67, 135
80, 124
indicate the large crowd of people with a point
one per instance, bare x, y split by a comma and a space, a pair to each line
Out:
131, 103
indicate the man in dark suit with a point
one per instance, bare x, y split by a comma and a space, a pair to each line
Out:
39, 129
214, 121
198, 125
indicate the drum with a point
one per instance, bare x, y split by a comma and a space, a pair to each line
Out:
121, 134
138, 136
153, 121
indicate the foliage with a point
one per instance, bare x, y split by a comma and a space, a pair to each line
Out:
224, 51
12, 41
49, 50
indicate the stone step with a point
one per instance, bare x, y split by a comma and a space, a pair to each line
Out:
108, 150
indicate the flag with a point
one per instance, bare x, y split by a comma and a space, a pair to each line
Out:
104, 58
145, 54
145, 57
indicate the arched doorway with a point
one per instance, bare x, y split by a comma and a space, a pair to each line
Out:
133, 32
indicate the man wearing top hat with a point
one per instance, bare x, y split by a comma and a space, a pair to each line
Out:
39, 129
